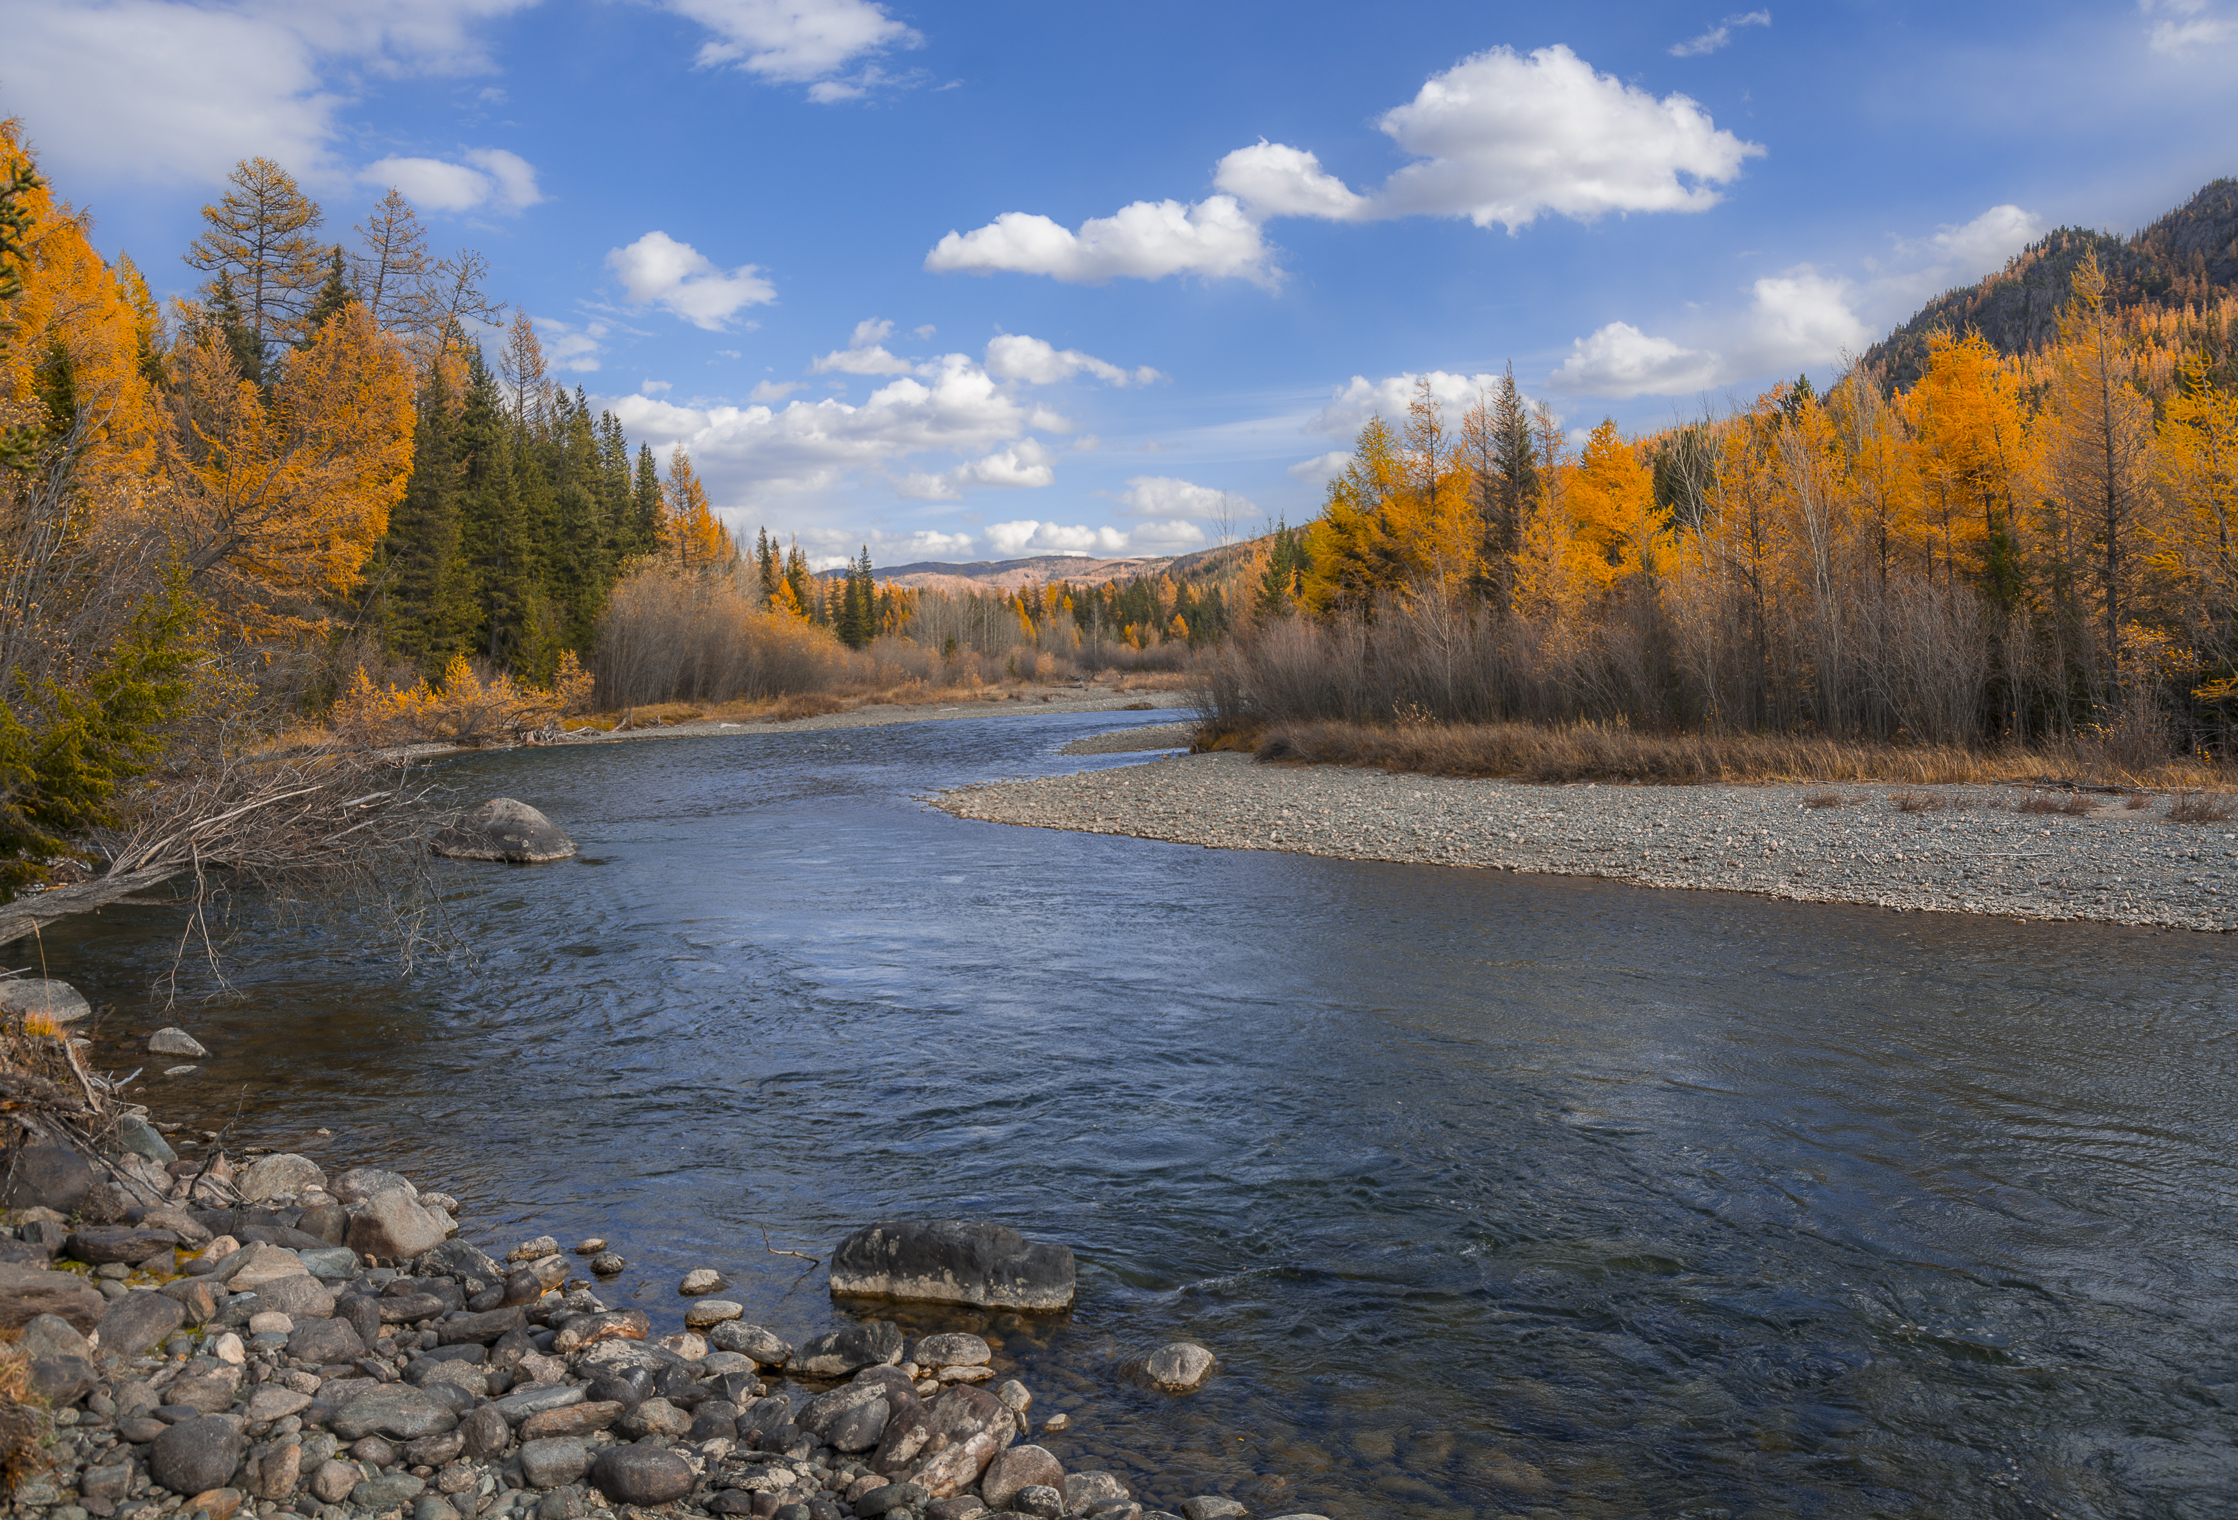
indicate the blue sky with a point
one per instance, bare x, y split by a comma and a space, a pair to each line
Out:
983, 281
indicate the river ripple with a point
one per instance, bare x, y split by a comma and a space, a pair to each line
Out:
1496, 1195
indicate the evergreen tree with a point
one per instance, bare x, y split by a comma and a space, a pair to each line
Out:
645, 505
332, 297
224, 314
428, 609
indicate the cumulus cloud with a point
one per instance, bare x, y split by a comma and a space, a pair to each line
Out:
1014, 356
1274, 179
1355, 402
1801, 318
957, 408
163, 91
2181, 26
772, 390
1620, 361
809, 42
865, 354
1024, 465
1145, 241
1179, 500
485, 179
1719, 35
1499, 137
1011, 540
657, 270
1504, 137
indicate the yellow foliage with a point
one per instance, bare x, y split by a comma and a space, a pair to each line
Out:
281, 499
74, 306
1972, 448
463, 709
691, 535
1612, 503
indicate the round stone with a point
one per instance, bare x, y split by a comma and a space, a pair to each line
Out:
712, 1311
592, 1246
1180, 1367
701, 1280
607, 1264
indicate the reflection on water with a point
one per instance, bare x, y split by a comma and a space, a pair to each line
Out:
1495, 1195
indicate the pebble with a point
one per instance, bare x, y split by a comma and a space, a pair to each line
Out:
1968, 853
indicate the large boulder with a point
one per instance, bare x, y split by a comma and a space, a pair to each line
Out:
1020, 1467
27, 1292
97, 1244
35, 996
642, 1475
393, 1409
44, 1176
503, 829
845, 1352
137, 1321
194, 1456
945, 1445
394, 1225
279, 1177
953, 1261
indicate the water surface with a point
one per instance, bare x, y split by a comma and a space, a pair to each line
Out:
1496, 1195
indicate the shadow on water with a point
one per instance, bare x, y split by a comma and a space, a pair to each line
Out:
1494, 1194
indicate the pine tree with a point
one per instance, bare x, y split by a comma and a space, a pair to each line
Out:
332, 297
645, 505
260, 235
224, 315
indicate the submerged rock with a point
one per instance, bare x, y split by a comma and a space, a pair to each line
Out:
504, 829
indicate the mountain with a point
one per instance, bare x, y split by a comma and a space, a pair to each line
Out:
2187, 258
1078, 569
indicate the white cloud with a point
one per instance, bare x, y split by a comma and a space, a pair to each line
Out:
1274, 179
1620, 362
1321, 467
811, 445
1145, 241
772, 390
864, 354
156, 91
925, 331
800, 41
1499, 137
1719, 35
1014, 356
1504, 138
1178, 500
1024, 465
2186, 24
1012, 540
658, 270
489, 179
1801, 318
1354, 403
571, 348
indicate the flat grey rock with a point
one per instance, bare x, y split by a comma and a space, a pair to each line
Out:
173, 1041
59, 1002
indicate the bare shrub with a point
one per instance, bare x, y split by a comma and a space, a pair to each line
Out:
2202, 807
1818, 800
1914, 801
2136, 802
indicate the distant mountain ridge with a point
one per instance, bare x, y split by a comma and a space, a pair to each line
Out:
1040, 569
2187, 258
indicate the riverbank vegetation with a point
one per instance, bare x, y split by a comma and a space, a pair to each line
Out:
2021, 563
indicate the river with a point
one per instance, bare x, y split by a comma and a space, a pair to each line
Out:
1495, 1195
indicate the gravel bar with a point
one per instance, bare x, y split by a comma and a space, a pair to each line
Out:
1968, 852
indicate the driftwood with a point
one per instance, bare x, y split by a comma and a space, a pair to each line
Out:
28, 915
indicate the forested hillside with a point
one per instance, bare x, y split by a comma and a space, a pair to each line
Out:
2186, 261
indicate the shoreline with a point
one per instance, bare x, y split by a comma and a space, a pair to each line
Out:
1958, 849
255, 1341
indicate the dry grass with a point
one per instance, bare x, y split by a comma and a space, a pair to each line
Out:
2136, 802
1817, 800
2202, 807
1913, 801
1607, 752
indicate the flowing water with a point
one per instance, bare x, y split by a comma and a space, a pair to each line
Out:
1495, 1195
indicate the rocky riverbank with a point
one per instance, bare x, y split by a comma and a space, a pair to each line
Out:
264, 1342
2020, 854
